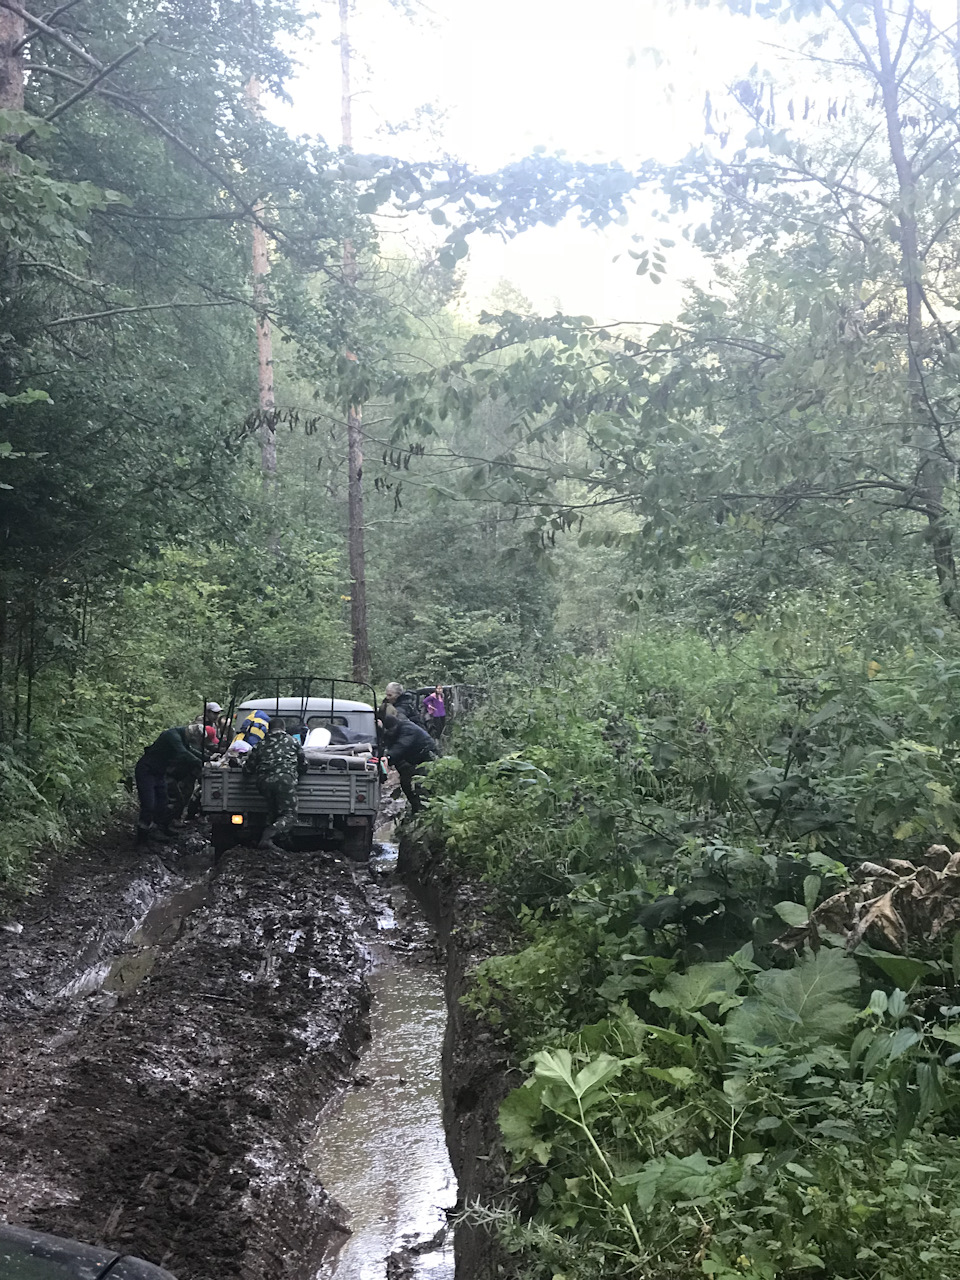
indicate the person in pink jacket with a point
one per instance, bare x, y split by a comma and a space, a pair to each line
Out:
435, 711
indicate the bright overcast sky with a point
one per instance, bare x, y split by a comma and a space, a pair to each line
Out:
612, 80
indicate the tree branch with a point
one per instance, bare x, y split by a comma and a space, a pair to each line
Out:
852, 32
908, 19
131, 104
44, 28
87, 88
124, 311
50, 17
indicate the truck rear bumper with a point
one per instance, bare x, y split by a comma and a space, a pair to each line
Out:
350, 834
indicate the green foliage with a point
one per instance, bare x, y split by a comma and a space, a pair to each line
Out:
697, 1154
699, 1101
141, 566
799, 414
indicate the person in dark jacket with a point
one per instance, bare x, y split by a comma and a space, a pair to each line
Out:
276, 764
409, 747
396, 698
175, 753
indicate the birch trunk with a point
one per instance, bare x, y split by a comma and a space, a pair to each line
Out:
261, 269
356, 554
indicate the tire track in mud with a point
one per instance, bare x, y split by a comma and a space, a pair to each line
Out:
170, 1122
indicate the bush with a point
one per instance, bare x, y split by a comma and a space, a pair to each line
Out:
699, 1100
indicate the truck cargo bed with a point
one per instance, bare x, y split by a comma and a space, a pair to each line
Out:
322, 790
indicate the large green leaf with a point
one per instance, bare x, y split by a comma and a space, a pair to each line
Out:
556, 1065
692, 1179
519, 1116
701, 985
811, 1001
905, 971
595, 1074
792, 913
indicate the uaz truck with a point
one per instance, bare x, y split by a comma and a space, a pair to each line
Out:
338, 796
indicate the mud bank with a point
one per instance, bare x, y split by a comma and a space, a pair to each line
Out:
168, 1036
477, 1069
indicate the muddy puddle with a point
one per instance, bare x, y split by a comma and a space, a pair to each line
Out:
381, 1150
154, 931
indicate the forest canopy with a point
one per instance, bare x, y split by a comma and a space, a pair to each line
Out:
701, 562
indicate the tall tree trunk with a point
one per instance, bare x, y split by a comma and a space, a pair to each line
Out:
11, 61
261, 269
358, 576
935, 466
356, 555
12, 29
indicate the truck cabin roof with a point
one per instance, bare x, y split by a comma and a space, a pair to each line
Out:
303, 706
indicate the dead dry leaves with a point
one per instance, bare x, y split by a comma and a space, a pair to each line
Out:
896, 906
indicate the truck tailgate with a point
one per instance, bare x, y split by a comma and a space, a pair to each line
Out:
228, 791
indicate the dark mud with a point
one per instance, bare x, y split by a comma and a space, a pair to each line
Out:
168, 1035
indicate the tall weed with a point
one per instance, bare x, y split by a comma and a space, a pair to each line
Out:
699, 1101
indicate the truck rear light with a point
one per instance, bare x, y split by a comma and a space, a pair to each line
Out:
237, 819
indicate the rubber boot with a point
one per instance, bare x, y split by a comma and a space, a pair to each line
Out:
162, 834
141, 836
266, 839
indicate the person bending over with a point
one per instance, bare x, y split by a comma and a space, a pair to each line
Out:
409, 748
276, 765
175, 753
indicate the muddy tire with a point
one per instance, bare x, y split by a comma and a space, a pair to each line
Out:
358, 842
222, 837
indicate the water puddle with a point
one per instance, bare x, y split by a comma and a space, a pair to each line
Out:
381, 1151
158, 928
385, 854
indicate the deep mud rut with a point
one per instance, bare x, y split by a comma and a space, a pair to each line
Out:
168, 1035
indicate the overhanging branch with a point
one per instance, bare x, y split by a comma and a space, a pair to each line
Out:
126, 311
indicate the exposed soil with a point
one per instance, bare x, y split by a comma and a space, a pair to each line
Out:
168, 1034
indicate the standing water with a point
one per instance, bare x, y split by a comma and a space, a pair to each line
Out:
382, 1152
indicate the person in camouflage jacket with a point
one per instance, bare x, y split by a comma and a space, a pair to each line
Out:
276, 765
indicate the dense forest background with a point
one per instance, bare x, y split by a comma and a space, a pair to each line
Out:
147, 558
782, 451
704, 563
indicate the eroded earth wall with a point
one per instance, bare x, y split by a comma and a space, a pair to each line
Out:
477, 1070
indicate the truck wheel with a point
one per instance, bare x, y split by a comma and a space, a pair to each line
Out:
358, 842
222, 838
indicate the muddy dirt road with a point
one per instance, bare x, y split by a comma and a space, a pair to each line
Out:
168, 1036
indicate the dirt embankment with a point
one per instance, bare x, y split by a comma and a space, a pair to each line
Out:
168, 1035
477, 1069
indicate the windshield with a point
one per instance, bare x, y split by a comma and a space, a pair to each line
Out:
344, 726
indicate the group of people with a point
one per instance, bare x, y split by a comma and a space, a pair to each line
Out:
431, 713
167, 773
